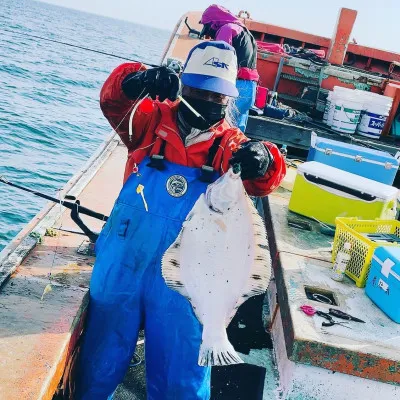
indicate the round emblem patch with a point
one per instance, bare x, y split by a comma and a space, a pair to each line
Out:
177, 185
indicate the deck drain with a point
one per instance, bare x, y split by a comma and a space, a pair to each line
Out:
320, 295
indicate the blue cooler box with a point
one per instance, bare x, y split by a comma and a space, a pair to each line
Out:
372, 164
383, 285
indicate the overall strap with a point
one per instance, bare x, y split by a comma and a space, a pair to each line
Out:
162, 148
213, 151
207, 170
157, 160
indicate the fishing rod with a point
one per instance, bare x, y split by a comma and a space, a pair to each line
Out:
192, 32
76, 46
75, 207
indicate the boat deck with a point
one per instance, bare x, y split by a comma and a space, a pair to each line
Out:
370, 351
37, 336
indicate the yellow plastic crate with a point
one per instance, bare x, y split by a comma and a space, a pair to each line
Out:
362, 249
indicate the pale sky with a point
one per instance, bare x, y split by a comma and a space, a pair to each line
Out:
377, 24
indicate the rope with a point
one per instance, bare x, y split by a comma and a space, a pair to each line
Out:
76, 46
139, 101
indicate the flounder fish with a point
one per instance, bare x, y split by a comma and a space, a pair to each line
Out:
219, 259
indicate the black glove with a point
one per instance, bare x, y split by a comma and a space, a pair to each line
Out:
160, 81
254, 159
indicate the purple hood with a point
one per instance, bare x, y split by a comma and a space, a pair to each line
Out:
218, 16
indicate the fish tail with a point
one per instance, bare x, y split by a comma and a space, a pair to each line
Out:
218, 354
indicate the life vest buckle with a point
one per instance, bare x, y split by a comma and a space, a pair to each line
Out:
207, 174
157, 162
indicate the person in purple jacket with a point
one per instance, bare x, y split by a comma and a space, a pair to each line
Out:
220, 24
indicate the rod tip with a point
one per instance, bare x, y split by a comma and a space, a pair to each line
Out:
3, 179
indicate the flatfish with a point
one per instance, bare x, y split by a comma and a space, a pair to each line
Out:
219, 259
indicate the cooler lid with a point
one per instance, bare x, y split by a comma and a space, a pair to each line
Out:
353, 150
388, 257
347, 179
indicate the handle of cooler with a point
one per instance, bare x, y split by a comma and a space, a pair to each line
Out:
328, 151
337, 186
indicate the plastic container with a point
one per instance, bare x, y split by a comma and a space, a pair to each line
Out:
327, 107
324, 192
348, 107
261, 97
342, 259
349, 110
372, 164
331, 110
335, 98
374, 117
383, 285
355, 231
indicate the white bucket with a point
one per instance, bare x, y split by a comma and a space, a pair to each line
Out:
342, 89
347, 113
374, 117
331, 102
331, 110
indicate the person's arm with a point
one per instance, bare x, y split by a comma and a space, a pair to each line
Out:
124, 87
263, 166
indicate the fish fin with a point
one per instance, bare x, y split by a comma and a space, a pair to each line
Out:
260, 273
223, 354
261, 268
171, 268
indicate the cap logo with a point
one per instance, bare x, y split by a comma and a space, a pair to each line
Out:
212, 66
214, 62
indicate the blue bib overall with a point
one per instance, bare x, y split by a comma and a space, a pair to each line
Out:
127, 291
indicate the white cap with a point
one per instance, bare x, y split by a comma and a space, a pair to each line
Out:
212, 66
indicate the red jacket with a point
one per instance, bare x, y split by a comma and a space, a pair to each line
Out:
154, 122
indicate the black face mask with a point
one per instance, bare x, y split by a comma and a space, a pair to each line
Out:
210, 111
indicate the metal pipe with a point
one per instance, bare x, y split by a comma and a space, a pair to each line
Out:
278, 74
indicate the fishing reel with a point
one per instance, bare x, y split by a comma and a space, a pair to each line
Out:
175, 65
75, 216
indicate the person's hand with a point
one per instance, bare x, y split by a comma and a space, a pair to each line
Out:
254, 159
162, 82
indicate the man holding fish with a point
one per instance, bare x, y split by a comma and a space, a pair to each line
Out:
175, 150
